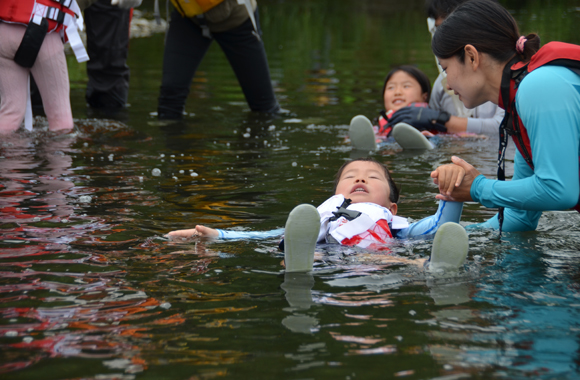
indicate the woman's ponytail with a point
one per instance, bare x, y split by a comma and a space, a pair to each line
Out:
527, 46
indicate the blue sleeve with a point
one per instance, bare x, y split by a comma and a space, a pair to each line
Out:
446, 212
548, 103
229, 234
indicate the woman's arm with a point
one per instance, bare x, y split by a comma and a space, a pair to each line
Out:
549, 106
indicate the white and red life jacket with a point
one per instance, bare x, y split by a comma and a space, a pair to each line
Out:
366, 225
63, 16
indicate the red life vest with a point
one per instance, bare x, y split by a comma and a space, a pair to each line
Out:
21, 11
383, 121
553, 53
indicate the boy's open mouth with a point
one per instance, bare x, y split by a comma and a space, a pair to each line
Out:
359, 189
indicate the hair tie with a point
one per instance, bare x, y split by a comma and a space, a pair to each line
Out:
520, 44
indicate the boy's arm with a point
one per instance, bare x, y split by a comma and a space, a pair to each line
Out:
203, 231
446, 212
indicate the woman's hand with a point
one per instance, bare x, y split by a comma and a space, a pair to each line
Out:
455, 180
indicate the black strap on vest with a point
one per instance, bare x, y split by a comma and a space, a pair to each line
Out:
506, 126
342, 211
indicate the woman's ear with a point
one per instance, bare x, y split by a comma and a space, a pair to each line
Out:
393, 208
471, 56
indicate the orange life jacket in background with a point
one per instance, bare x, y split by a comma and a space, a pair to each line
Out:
192, 8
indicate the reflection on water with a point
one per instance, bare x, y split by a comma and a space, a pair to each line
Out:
90, 289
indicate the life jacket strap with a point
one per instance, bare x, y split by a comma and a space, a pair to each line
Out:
343, 212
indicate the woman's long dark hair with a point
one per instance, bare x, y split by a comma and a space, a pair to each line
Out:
486, 25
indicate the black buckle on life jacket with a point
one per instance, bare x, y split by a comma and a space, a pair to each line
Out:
343, 212
65, 3
55, 14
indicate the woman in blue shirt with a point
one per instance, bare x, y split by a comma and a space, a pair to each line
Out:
478, 45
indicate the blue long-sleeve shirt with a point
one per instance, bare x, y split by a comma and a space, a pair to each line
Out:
446, 212
548, 102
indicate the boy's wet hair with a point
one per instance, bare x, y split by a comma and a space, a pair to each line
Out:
394, 189
417, 74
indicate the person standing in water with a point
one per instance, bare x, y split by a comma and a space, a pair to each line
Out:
486, 59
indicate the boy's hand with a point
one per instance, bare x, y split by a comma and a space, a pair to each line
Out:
448, 177
455, 180
199, 230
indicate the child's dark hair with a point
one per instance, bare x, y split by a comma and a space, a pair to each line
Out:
394, 190
486, 25
419, 76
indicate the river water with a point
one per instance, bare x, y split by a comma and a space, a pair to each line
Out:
90, 289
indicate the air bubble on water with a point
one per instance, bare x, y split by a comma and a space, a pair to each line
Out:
217, 171
140, 179
85, 199
27, 339
246, 135
272, 128
173, 155
265, 142
161, 155
227, 144
181, 171
92, 158
156, 172
235, 131
265, 174
412, 312
174, 177
11, 333
111, 156
86, 144
181, 154
248, 129
165, 305
294, 164
194, 174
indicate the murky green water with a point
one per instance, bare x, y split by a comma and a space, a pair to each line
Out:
90, 290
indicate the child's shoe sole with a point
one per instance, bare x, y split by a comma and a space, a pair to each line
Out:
361, 134
408, 137
300, 235
450, 247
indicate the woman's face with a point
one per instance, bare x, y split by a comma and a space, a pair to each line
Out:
466, 82
402, 90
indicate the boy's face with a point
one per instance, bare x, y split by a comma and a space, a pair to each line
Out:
402, 90
364, 181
